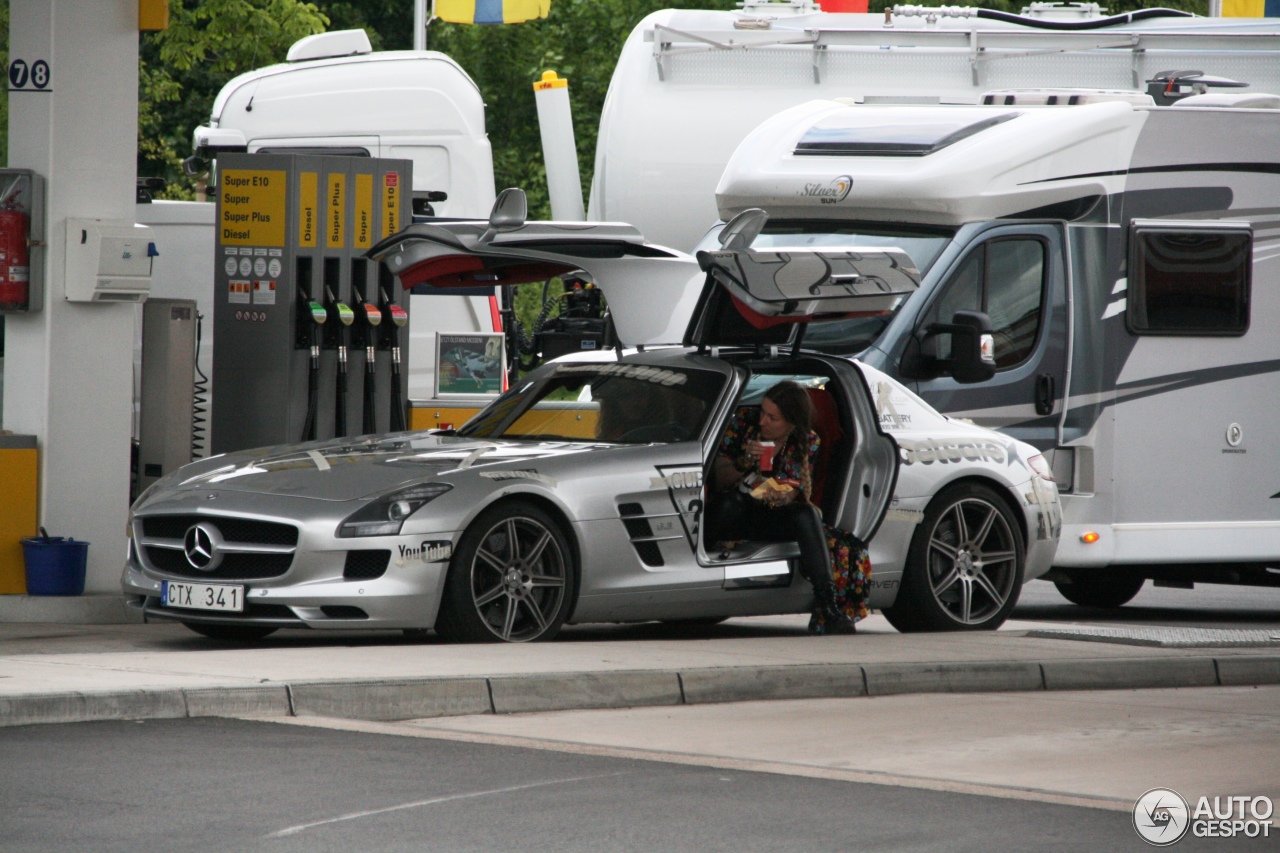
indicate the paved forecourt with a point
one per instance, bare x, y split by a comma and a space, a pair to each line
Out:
52, 673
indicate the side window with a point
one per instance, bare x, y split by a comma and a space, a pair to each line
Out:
1184, 281
1015, 290
1005, 278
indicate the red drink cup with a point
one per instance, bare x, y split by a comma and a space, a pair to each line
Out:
767, 450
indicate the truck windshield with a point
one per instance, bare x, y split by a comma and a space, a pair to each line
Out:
617, 403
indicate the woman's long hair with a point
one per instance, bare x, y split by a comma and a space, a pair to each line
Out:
797, 409
794, 404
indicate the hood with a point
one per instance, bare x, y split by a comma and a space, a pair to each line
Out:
345, 470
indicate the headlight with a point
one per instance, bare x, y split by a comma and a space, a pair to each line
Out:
386, 515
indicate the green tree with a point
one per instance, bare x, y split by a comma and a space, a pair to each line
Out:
182, 69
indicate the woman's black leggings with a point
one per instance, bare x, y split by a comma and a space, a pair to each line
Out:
732, 515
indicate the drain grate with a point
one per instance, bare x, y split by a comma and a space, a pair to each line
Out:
1170, 638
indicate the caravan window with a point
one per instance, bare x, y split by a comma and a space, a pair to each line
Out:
1189, 281
1005, 278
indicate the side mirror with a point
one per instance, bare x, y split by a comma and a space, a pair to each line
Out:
972, 346
972, 356
510, 210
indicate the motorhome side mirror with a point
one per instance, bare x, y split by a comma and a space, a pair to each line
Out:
741, 231
972, 347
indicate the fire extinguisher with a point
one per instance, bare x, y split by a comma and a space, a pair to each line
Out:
15, 270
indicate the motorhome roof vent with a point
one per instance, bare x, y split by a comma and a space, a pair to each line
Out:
327, 45
1064, 97
1062, 11
774, 7
851, 134
1240, 101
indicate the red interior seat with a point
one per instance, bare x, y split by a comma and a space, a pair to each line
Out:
826, 423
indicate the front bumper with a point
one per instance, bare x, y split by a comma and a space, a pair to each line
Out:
313, 593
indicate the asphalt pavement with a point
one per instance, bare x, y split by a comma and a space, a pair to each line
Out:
219, 784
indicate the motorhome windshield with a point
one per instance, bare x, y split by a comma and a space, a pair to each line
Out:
922, 244
852, 134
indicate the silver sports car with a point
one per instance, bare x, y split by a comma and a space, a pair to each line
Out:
577, 496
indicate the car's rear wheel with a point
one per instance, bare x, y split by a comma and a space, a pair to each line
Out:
231, 633
511, 579
1101, 588
965, 567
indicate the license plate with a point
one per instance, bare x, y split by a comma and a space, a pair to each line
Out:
202, 596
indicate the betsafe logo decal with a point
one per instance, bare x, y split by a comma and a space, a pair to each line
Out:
832, 192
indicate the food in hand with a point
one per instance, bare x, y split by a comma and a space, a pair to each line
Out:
772, 486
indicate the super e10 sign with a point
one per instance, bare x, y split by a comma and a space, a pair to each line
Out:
253, 207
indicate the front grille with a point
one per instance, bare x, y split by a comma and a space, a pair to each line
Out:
343, 611
366, 565
245, 531
266, 547
233, 567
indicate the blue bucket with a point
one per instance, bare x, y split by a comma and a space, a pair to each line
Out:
55, 566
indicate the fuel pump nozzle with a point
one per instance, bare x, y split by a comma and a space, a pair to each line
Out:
311, 316
343, 317
399, 319
370, 316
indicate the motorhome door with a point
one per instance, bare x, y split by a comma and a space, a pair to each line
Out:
1016, 275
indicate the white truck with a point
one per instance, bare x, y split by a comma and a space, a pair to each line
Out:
335, 95
690, 85
1125, 260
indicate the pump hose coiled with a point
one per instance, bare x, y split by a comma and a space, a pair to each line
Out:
199, 398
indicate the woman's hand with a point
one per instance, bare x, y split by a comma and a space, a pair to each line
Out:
754, 451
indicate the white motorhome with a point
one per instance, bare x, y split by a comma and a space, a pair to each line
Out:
690, 85
1125, 259
334, 95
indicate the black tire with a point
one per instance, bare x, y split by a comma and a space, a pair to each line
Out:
498, 593
231, 633
965, 567
1101, 588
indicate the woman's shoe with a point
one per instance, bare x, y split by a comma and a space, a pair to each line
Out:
827, 618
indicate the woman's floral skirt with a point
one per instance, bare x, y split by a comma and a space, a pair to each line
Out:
851, 571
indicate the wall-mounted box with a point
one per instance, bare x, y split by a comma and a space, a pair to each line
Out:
21, 241
108, 261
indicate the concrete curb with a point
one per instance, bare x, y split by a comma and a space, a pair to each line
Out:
407, 699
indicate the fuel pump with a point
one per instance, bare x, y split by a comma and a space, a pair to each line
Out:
370, 316
341, 315
311, 317
390, 339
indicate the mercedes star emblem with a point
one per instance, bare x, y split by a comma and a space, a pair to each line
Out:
201, 546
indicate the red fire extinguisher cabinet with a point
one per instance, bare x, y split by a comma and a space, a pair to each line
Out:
21, 241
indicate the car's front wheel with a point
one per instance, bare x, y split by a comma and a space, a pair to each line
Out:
965, 567
230, 633
511, 579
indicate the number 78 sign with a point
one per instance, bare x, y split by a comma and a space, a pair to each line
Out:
35, 77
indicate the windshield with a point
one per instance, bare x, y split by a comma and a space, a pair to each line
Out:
616, 403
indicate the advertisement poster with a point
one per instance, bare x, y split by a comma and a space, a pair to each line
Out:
469, 364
